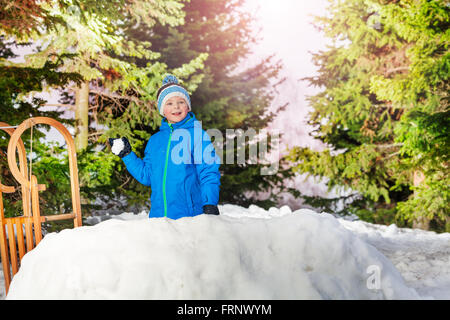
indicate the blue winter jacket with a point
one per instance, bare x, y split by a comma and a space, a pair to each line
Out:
181, 167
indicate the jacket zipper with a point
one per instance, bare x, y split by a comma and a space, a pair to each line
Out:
165, 170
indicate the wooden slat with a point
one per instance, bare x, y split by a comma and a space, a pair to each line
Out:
20, 240
7, 189
35, 209
29, 233
64, 216
12, 247
5, 256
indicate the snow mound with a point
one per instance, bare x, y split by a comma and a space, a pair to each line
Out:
241, 254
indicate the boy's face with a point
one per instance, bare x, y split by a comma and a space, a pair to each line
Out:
175, 109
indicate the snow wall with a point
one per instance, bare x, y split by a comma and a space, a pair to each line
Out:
241, 254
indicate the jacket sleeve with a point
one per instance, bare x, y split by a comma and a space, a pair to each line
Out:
140, 169
207, 165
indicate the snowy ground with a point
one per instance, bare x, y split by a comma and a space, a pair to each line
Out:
422, 257
243, 254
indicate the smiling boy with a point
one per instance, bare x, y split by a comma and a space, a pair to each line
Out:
183, 189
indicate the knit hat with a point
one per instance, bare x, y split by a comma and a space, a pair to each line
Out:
170, 88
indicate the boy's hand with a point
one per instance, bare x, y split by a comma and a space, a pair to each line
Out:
210, 209
120, 146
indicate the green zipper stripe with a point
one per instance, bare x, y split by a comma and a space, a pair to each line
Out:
165, 171
165, 167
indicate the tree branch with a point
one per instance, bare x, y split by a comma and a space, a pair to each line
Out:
96, 133
389, 71
115, 96
70, 106
385, 146
391, 155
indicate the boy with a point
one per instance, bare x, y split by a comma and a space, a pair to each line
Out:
179, 188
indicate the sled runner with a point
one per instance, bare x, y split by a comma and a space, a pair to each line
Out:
12, 235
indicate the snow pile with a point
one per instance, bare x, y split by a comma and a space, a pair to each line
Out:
274, 254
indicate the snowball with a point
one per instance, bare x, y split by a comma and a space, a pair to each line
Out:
117, 146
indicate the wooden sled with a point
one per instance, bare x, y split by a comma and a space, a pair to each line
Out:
12, 235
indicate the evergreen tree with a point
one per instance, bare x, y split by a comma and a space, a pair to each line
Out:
383, 110
229, 96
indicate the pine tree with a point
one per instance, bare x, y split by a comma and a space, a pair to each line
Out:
383, 110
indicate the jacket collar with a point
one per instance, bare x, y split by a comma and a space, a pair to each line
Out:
187, 122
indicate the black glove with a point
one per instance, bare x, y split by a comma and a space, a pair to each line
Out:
121, 151
210, 209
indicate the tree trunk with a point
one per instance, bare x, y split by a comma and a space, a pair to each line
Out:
82, 116
82, 122
447, 224
420, 222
